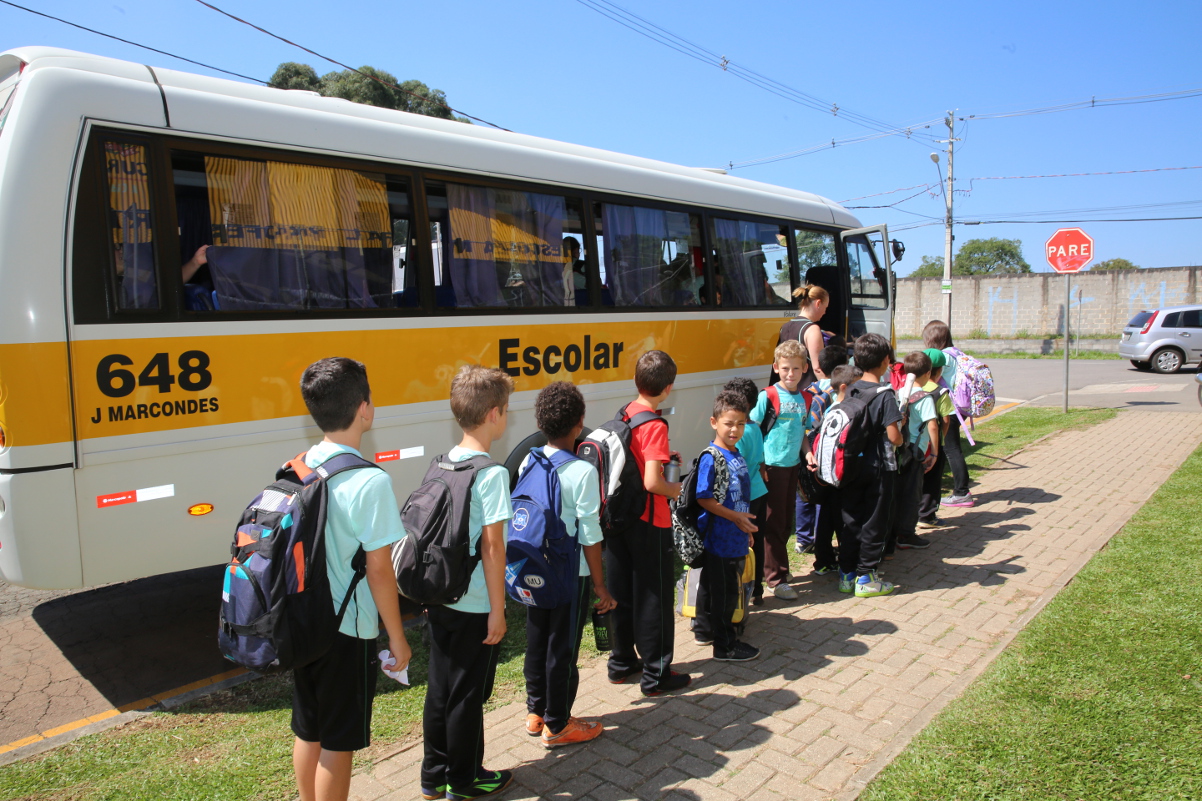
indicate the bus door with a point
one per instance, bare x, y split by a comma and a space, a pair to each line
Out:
870, 273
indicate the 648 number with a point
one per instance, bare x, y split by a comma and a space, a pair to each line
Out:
117, 382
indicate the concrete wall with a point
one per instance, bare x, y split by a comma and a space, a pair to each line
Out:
1032, 304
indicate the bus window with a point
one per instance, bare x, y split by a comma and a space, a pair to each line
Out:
132, 230
502, 247
288, 237
649, 257
867, 288
753, 260
818, 264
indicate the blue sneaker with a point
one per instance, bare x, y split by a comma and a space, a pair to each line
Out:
847, 582
434, 793
872, 585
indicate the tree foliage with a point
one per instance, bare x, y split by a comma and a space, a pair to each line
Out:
1114, 264
412, 96
979, 257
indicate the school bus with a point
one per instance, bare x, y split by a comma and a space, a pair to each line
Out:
176, 249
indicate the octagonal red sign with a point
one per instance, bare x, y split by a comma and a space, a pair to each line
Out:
1069, 249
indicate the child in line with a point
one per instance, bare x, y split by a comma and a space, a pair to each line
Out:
866, 497
830, 359
332, 697
751, 447
932, 480
830, 511
783, 447
552, 635
640, 559
729, 527
937, 335
918, 453
464, 636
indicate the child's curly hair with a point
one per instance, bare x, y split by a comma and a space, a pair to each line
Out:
558, 408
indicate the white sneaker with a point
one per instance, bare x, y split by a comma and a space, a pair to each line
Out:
784, 592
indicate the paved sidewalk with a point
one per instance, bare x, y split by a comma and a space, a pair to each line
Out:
844, 683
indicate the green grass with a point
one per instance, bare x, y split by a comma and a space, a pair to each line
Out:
235, 744
1098, 697
1097, 355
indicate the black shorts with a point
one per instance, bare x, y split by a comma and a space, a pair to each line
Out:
332, 697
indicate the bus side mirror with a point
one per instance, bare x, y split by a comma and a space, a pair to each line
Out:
899, 249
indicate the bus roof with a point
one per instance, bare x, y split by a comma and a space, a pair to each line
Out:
30, 59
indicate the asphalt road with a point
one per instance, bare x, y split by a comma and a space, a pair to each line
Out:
1106, 383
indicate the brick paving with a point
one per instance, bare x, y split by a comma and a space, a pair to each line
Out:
843, 684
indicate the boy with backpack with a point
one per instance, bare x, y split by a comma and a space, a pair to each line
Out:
465, 635
640, 555
918, 453
830, 357
932, 480
866, 491
751, 448
830, 512
332, 697
553, 634
729, 527
780, 412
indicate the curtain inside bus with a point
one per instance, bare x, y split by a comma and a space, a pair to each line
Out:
506, 248
648, 256
296, 236
131, 225
749, 258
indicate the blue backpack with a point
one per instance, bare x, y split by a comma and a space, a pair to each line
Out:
543, 557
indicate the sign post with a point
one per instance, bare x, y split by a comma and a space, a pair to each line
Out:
1068, 250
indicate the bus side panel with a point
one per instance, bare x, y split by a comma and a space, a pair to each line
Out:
38, 543
35, 404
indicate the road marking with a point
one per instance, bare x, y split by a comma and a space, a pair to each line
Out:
133, 706
1112, 389
996, 411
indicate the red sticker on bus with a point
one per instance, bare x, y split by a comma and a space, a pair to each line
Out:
388, 456
116, 499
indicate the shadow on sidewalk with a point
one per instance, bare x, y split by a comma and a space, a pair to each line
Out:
646, 757
140, 638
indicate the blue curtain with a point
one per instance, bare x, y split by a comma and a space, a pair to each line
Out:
634, 254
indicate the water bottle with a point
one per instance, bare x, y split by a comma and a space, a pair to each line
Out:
601, 630
672, 470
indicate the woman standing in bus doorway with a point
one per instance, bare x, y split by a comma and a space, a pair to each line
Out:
813, 303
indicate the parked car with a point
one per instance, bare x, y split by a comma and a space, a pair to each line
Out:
1164, 340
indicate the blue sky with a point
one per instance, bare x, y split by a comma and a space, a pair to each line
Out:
557, 69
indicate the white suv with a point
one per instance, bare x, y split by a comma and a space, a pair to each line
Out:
1163, 340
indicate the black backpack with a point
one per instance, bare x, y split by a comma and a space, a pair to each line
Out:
687, 536
607, 447
434, 562
277, 612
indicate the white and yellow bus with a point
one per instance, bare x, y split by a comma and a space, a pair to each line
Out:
149, 384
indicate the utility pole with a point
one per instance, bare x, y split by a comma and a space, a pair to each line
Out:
948, 237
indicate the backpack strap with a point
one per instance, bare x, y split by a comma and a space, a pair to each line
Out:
640, 418
773, 411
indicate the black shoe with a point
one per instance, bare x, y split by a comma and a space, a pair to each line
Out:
490, 784
912, 541
620, 678
702, 639
673, 682
757, 600
742, 652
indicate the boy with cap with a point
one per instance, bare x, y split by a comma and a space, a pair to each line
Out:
932, 480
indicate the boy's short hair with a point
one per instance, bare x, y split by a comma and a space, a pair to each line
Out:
936, 334
474, 390
558, 408
917, 363
871, 350
333, 389
789, 349
746, 386
843, 375
832, 356
654, 373
730, 400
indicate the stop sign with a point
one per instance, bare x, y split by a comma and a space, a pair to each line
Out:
1069, 250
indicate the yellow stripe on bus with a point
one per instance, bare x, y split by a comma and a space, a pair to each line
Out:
34, 405
139, 385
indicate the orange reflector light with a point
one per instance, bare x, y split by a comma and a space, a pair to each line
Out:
1, 436
199, 509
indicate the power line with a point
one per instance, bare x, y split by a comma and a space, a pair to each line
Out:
663, 36
135, 44
345, 66
1093, 102
890, 192
924, 190
1066, 222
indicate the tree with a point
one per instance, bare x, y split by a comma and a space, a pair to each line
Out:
359, 87
979, 257
1114, 264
